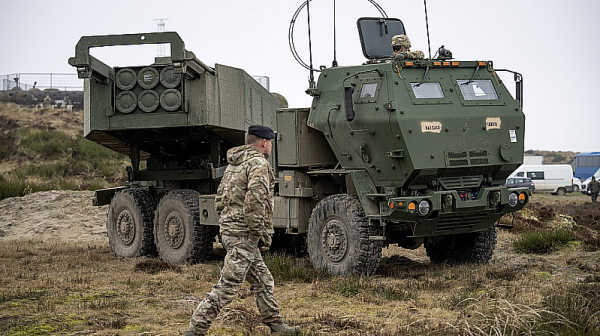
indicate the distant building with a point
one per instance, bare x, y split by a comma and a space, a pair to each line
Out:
533, 160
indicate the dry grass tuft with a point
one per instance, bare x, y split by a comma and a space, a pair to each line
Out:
153, 266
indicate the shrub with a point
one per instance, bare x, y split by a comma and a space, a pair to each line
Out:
50, 144
19, 188
287, 268
541, 242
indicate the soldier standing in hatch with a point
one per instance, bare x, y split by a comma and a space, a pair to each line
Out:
245, 205
401, 46
594, 188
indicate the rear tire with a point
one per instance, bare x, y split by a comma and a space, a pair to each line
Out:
129, 223
179, 237
470, 248
561, 192
338, 237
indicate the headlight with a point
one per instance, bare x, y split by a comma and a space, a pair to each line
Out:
424, 207
513, 199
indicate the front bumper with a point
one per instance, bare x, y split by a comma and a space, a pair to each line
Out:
451, 212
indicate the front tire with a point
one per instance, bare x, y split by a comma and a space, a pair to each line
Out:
179, 237
470, 248
338, 237
129, 223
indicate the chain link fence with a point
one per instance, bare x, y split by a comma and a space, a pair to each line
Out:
41, 81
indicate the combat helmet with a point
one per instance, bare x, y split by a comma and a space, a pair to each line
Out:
400, 40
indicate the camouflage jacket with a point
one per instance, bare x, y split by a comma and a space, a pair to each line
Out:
594, 186
417, 54
245, 196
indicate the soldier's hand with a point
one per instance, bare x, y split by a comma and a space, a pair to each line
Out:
400, 56
265, 242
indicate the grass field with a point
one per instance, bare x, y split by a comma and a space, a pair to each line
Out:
51, 288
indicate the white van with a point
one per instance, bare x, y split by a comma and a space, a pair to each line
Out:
557, 179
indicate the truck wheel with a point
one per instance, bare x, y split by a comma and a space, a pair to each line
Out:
178, 235
470, 248
561, 192
338, 237
129, 223
575, 188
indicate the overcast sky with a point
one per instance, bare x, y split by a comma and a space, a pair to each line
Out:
554, 44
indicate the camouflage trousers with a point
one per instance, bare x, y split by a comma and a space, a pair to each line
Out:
242, 262
594, 197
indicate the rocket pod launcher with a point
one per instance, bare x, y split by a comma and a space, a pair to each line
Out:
179, 114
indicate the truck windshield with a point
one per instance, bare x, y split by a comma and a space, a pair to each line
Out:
482, 89
427, 90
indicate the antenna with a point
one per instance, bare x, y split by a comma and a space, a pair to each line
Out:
161, 47
309, 67
335, 62
312, 76
427, 24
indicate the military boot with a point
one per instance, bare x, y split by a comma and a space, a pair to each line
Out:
284, 329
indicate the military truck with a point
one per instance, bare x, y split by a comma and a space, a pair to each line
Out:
406, 152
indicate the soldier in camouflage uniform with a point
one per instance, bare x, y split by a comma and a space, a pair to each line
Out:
245, 205
594, 188
401, 46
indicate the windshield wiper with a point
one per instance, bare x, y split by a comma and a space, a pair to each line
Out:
472, 77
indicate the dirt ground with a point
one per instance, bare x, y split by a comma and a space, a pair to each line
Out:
55, 215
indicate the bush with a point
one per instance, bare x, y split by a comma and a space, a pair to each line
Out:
91, 150
19, 188
49, 144
541, 242
287, 268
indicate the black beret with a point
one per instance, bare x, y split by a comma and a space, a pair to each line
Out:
261, 131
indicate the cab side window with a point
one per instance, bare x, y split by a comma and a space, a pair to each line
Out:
535, 175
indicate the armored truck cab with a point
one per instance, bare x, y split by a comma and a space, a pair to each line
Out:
394, 151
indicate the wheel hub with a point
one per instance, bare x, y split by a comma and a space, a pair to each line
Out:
125, 227
334, 240
174, 230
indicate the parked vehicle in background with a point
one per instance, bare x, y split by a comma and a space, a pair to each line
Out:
576, 184
584, 184
585, 164
521, 182
556, 179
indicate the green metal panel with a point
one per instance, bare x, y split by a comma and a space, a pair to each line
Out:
292, 213
300, 145
147, 120
96, 110
294, 183
287, 146
208, 213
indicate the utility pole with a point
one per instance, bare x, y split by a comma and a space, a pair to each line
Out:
161, 48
